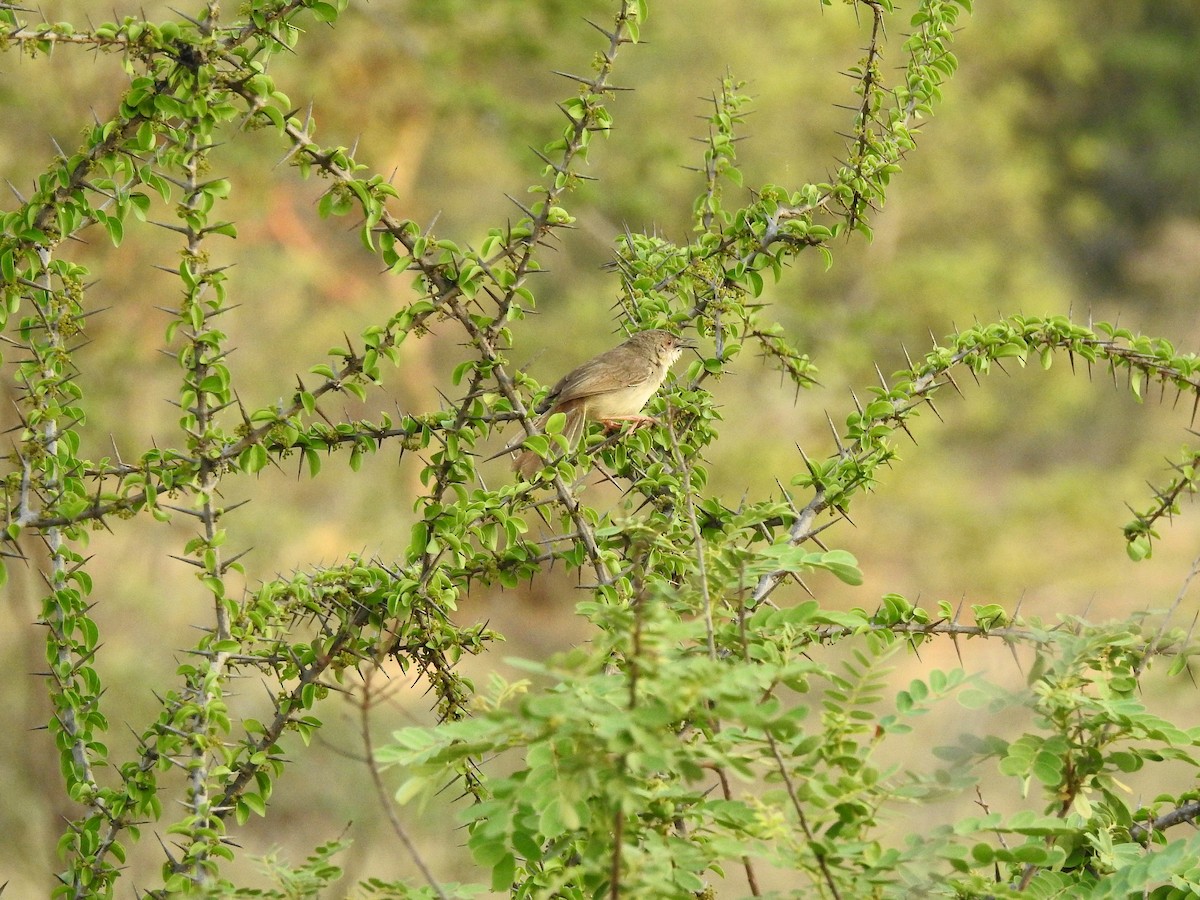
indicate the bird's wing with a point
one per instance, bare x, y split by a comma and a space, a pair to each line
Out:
610, 371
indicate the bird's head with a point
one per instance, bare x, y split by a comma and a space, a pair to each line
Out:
661, 345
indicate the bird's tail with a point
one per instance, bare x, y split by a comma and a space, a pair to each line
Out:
528, 463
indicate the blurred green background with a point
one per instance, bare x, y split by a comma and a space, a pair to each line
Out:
1059, 175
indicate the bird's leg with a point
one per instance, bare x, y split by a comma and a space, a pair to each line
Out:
612, 423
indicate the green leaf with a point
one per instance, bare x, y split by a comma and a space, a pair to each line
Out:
843, 565
255, 803
314, 462
115, 228
410, 789
1139, 548
326, 12
503, 873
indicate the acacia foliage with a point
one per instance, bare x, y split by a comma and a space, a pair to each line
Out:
698, 740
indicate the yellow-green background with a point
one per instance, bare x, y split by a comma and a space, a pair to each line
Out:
1059, 175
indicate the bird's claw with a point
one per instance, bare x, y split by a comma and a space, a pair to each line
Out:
615, 422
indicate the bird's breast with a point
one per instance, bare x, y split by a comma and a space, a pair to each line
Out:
625, 401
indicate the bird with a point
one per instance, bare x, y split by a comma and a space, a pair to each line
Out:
610, 388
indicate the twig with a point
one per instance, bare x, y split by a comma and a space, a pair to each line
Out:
381, 792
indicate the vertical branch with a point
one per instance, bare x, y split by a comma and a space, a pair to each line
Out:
709, 630
720, 158
49, 483
205, 391
207, 686
53, 350
639, 601
586, 115
868, 86
798, 806
205, 375
788, 783
364, 727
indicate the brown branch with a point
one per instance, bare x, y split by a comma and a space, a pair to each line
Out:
381, 792
1188, 812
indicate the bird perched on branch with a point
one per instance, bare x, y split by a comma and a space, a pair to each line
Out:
610, 388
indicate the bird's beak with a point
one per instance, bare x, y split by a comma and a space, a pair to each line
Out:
686, 344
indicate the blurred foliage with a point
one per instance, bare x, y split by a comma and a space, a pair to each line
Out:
1056, 179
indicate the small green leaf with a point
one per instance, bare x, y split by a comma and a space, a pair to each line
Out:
325, 12
503, 873
411, 788
116, 230
843, 565
1139, 548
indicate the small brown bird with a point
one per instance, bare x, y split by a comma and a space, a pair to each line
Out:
609, 388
